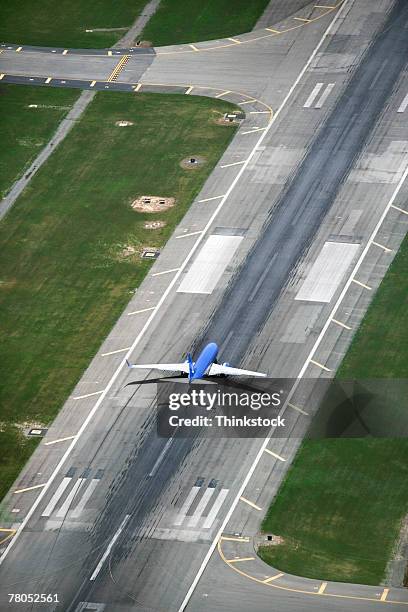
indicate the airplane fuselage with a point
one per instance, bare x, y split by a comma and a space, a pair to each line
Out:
206, 358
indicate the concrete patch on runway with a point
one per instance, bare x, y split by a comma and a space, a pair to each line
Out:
210, 264
273, 165
327, 272
386, 168
298, 329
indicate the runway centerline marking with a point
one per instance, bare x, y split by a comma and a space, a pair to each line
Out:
250, 503
123, 350
274, 455
108, 550
59, 440
39, 486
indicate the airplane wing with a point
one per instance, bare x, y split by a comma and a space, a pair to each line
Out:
165, 367
217, 368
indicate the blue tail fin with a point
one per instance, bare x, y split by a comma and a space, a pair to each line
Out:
190, 366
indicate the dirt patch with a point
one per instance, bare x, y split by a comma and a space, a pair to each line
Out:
124, 123
268, 539
128, 251
152, 225
193, 163
152, 204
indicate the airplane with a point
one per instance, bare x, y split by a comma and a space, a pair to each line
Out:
206, 367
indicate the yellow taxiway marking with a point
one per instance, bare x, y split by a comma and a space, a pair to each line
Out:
166, 272
361, 284
189, 234
235, 40
247, 101
258, 112
384, 594
78, 397
189, 90
118, 68
213, 198
117, 351
223, 93
322, 588
59, 440
271, 578
272, 30
274, 454
65, 51
320, 365
10, 533
239, 559
233, 164
323, 6
48, 80
381, 246
194, 48
401, 210
235, 539
140, 311
39, 486
298, 409
18, 49
2, 76
92, 84
341, 324
302, 19
247, 501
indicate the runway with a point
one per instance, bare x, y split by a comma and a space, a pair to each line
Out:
129, 521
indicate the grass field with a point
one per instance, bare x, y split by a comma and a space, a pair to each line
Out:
64, 278
24, 131
340, 507
181, 22
47, 23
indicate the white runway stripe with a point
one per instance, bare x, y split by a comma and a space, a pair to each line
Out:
58, 493
215, 508
202, 504
184, 509
67, 503
313, 95
85, 498
404, 105
324, 95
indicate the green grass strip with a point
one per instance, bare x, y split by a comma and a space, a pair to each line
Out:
30, 117
64, 24
180, 22
340, 507
64, 277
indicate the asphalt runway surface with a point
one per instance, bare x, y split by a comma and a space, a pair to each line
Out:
142, 482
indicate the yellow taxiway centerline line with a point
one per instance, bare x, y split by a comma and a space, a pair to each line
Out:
39, 486
247, 501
